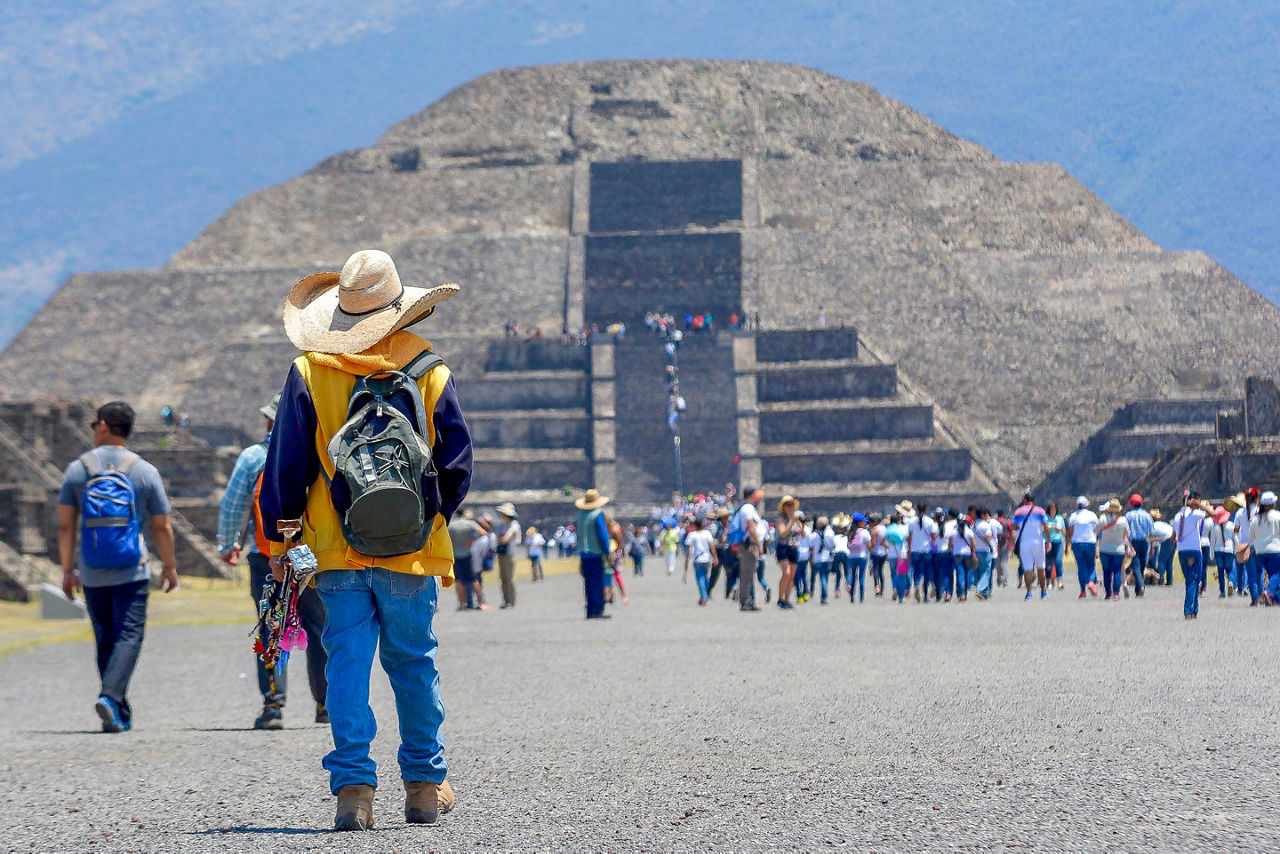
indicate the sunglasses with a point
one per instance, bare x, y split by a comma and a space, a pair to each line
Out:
94, 423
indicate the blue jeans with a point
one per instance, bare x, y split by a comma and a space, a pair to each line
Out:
1226, 570
821, 569
368, 609
1112, 572
1192, 570
857, 574
1140, 551
700, 573
1086, 556
1255, 577
1270, 564
804, 582
962, 575
901, 584
980, 578
940, 573
1164, 563
921, 570
840, 566
592, 569
118, 613
1053, 561
877, 571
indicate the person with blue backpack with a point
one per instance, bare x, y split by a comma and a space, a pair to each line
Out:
106, 494
369, 460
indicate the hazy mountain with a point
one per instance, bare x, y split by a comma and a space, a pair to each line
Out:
126, 126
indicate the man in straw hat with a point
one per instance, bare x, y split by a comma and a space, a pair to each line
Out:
593, 545
508, 539
352, 327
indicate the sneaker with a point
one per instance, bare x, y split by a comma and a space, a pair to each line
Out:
823, 602
110, 714
424, 803
1093, 588
917, 593
702, 602
752, 607
355, 808
1126, 591
1044, 594
322, 714
1028, 599
768, 594
1082, 594
272, 717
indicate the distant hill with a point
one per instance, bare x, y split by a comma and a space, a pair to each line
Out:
126, 127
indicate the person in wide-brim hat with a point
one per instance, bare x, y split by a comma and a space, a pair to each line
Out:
507, 509
905, 507
350, 311
787, 499
1235, 502
591, 500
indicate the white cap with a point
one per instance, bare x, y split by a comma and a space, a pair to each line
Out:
1082, 501
1267, 497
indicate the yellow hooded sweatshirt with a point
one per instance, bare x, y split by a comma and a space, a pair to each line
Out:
330, 379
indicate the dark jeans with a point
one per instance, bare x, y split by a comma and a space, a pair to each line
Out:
729, 562
118, 613
1192, 572
592, 568
877, 571
274, 686
1140, 551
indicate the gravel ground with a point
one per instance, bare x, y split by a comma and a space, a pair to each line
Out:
1060, 725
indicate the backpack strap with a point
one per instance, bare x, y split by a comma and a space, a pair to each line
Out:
94, 466
420, 364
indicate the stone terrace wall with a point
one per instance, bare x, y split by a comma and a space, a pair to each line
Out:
1061, 350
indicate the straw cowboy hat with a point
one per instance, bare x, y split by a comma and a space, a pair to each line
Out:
905, 506
507, 509
351, 311
591, 500
1113, 506
787, 499
1235, 502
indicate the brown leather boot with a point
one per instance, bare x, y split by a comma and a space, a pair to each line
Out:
355, 808
424, 802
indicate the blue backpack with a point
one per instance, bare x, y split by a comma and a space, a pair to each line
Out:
737, 531
110, 534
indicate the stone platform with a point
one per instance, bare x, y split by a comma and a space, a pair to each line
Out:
975, 726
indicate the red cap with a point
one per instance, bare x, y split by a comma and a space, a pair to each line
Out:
1135, 500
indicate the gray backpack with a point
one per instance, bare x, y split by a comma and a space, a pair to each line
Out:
385, 487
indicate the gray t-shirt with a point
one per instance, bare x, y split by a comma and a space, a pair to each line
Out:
152, 501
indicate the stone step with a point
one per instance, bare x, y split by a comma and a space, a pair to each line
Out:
810, 364
858, 446
788, 345
1148, 440
523, 468
523, 355
823, 383
1186, 411
936, 464
882, 495
525, 390
550, 428
884, 421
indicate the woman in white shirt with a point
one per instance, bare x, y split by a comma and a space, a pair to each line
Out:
879, 551
1083, 541
1265, 532
859, 554
1187, 525
961, 545
839, 554
1222, 542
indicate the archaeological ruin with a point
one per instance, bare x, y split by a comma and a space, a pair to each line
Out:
935, 323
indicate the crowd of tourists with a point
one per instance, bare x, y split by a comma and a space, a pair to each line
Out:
925, 554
